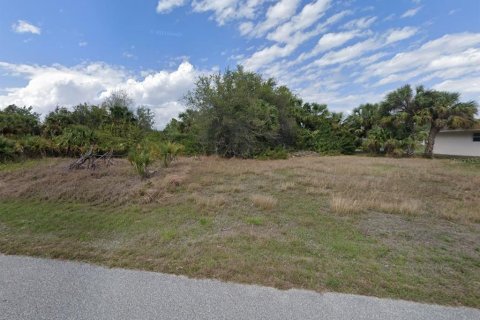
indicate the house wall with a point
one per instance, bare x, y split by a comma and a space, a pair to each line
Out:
456, 143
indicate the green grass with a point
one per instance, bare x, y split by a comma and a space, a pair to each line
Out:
303, 247
209, 227
256, 221
17, 165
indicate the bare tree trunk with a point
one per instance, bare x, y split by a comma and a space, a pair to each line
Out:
431, 141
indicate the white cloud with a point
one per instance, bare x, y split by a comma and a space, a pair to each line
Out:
276, 14
411, 12
348, 65
327, 42
448, 60
83, 44
362, 23
49, 86
310, 14
338, 101
333, 40
246, 27
469, 57
465, 85
453, 11
292, 34
267, 55
401, 34
450, 63
165, 6
389, 17
348, 53
227, 10
22, 26
366, 64
434, 54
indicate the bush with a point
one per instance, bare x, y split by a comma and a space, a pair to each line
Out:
36, 146
327, 138
107, 142
19, 121
274, 154
140, 159
7, 149
167, 152
336, 143
75, 140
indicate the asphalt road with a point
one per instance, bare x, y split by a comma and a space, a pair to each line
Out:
32, 288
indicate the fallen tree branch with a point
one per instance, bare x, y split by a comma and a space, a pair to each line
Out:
91, 160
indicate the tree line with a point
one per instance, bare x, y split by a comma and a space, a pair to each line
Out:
238, 114
114, 125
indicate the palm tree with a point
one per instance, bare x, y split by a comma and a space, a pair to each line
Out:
445, 111
401, 107
363, 119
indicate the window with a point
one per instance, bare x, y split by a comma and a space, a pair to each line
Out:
476, 137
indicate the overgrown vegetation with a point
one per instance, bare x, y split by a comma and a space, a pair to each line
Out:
144, 154
405, 118
111, 126
237, 114
240, 114
364, 225
167, 152
140, 159
398, 228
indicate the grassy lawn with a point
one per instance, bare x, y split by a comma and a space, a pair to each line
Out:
398, 228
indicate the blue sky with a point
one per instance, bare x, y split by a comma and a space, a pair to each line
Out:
342, 53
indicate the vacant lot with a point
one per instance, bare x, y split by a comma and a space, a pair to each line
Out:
400, 228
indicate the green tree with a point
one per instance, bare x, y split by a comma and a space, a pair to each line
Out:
145, 118
75, 139
363, 119
56, 121
92, 116
444, 110
238, 113
186, 131
121, 117
19, 121
401, 112
7, 149
323, 131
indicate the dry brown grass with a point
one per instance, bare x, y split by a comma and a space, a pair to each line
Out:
441, 188
215, 201
263, 202
288, 185
116, 185
350, 184
413, 225
344, 205
226, 188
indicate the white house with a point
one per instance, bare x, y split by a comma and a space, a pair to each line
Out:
459, 142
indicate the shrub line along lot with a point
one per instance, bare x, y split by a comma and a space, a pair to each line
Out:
398, 228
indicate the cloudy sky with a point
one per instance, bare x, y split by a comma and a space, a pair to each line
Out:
342, 53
